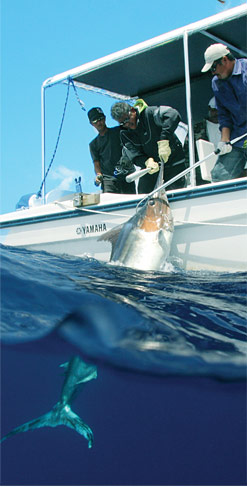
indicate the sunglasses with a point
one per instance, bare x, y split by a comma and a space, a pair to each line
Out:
98, 120
214, 65
125, 121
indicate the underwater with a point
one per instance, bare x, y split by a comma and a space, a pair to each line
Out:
166, 350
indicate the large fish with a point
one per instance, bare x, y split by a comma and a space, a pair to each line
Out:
77, 373
144, 241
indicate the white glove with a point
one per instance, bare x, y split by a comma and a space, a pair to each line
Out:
152, 165
164, 150
224, 148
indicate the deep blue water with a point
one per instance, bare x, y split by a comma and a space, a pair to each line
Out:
169, 404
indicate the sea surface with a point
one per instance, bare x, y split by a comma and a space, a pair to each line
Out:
169, 404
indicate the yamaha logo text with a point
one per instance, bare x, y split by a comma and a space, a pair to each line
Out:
84, 230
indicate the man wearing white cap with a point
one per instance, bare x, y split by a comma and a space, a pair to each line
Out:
229, 85
208, 128
212, 123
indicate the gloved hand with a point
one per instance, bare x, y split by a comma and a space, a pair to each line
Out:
164, 150
152, 165
224, 148
98, 179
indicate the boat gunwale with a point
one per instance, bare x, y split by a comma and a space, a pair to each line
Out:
173, 196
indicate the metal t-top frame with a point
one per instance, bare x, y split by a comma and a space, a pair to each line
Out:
184, 33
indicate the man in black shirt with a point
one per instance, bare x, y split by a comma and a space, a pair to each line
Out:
106, 151
148, 137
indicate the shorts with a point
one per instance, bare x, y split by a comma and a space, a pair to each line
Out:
230, 166
113, 185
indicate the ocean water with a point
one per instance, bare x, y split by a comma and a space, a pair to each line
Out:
169, 404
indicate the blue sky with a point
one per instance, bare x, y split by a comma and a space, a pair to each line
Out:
40, 39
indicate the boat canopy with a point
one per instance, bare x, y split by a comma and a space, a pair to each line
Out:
165, 70
155, 70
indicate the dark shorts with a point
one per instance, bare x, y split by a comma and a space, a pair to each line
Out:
113, 185
230, 166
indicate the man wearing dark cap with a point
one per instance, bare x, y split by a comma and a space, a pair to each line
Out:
106, 151
229, 85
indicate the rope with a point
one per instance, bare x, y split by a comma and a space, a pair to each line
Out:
212, 224
81, 103
56, 146
104, 92
90, 211
175, 221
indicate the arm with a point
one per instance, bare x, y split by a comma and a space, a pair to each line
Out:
136, 156
224, 116
225, 134
97, 167
130, 150
96, 162
225, 124
168, 118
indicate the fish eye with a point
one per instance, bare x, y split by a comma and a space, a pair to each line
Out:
151, 202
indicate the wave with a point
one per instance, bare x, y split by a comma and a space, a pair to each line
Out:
169, 323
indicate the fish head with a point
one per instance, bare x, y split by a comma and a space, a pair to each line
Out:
156, 214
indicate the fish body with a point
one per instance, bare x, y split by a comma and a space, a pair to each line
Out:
144, 241
77, 373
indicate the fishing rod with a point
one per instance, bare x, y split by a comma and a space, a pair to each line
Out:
194, 166
135, 175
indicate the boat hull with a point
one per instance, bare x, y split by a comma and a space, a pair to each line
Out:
210, 226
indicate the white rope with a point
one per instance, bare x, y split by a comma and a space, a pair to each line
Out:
90, 211
104, 212
188, 222
212, 224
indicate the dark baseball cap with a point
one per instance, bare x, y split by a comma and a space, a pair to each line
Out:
95, 114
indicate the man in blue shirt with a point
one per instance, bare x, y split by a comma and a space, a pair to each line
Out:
229, 85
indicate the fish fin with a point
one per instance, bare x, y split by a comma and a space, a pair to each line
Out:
65, 365
30, 425
61, 414
165, 242
73, 421
112, 235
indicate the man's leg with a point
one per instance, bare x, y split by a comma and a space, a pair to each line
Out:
229, 166
111, 185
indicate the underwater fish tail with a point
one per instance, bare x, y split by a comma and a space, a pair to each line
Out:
61, 414
77, 373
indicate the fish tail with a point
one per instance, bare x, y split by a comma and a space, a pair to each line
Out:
61, 414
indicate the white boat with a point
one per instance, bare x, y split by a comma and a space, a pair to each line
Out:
210, 219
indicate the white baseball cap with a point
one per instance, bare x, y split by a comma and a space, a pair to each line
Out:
212, 103
212, 53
